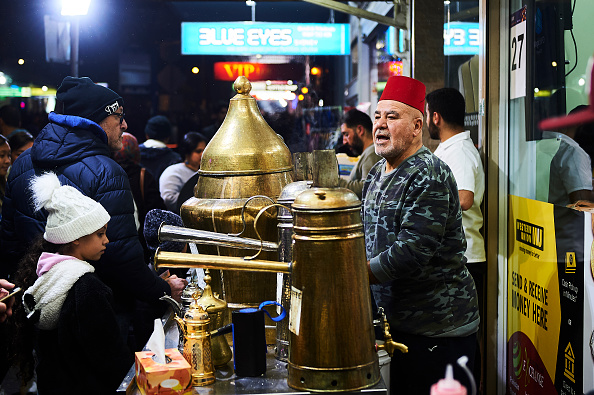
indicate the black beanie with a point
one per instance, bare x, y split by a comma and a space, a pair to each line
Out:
152, 222
83, 98
158, 128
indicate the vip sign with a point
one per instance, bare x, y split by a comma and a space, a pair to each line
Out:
229, 71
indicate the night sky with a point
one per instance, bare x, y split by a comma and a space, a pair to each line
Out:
114, 26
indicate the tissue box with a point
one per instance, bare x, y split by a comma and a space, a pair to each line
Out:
345, 165
156, 378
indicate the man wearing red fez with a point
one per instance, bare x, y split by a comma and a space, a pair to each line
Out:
415, 245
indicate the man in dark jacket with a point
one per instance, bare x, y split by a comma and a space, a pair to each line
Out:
76, 145
154, 153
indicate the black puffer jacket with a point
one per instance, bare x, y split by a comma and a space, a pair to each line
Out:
76, 150
85, 352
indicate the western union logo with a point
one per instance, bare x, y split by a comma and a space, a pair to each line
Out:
570, 264
530, 234
569, 371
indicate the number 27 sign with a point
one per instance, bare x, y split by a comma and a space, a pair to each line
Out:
517, 54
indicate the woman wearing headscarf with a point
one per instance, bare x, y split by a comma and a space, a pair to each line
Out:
145, 189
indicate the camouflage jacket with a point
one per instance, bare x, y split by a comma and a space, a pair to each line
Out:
415, 243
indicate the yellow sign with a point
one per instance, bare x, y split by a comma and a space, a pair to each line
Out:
533, 288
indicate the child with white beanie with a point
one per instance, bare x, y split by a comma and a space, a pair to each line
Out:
78, 344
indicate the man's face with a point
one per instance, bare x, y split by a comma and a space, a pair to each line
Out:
433, 130
395, 128
352, 139
114, 126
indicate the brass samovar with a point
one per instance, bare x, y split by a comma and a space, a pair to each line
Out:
243, 169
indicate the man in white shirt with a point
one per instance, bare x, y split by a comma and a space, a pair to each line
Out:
445, 110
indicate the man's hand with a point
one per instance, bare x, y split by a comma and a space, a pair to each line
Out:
177, 285
6, 306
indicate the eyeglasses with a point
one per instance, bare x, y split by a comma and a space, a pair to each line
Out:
122, 115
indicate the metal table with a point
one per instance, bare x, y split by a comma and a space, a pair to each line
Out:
274, 381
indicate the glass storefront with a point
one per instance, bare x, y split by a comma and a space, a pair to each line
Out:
550, 44
549, 168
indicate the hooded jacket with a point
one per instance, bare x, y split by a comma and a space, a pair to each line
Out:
76, 150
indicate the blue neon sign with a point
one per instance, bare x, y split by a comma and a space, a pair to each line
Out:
461, 38
249, 38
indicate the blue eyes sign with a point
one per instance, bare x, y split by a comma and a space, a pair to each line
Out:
250, 38
461, 38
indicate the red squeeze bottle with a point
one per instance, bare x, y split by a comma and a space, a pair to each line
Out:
448, 385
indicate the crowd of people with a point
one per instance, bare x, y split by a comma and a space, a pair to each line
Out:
82, 202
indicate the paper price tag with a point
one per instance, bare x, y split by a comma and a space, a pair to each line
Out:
279, 291
295, 312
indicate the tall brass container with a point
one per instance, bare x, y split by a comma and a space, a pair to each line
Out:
285, 236
332, 344
245, 158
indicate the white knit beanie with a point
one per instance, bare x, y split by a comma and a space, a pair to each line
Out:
71, 215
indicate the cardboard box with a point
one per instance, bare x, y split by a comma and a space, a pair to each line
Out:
171, 378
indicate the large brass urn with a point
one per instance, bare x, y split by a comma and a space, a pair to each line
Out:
332, 340
244, 168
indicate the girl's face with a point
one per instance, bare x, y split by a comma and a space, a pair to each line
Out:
90, 247
15, 154
5, 159
193, 158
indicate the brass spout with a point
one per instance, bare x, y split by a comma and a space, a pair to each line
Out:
180, 324
390, 345
165, 259
188, 235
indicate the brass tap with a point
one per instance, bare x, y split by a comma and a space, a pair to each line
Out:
390, 345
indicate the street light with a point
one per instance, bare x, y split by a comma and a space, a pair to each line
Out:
252, 3
74, 8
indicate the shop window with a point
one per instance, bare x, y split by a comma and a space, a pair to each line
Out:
461, 63
550, 44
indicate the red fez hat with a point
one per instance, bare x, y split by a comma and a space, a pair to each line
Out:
578, 117
405, 90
